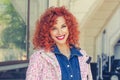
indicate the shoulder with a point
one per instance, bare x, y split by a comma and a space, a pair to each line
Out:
36, 56
40, 55
83, 52
85, 56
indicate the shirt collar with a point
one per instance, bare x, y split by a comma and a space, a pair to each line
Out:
55, 49
74, 51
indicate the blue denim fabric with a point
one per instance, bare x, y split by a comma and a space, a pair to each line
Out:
70, 69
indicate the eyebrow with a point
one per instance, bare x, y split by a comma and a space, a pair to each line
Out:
64, 24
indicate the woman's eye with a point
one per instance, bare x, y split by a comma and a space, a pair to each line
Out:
63, 26
53, 28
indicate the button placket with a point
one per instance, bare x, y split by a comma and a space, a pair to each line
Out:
69, 68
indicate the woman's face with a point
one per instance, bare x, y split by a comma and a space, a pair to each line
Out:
59, 32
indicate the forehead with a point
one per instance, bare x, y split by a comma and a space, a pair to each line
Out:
60, 20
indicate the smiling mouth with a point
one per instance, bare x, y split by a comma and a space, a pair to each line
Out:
60, 37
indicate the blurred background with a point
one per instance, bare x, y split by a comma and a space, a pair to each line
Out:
99, 25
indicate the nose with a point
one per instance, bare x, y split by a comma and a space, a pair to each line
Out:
59, 31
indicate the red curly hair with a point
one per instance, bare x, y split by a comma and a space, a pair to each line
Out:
42, 38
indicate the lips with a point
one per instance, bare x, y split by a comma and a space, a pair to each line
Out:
60, 37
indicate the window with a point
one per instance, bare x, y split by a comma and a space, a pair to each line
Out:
12, 33
17, 24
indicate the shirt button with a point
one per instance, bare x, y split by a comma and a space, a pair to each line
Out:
68, 65
71, 76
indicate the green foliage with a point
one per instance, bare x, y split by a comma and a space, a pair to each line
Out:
15, 32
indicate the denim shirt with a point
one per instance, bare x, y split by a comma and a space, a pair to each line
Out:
70, 68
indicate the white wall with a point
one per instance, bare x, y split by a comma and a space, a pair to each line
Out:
112, 34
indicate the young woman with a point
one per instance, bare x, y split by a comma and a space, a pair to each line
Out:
58, 56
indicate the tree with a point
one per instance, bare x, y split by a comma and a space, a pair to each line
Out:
15, 32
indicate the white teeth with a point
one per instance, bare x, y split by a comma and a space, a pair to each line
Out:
60, 37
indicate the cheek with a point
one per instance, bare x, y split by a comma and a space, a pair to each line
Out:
52, 34
67, 31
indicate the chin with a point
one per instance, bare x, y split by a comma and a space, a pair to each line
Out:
61, 42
